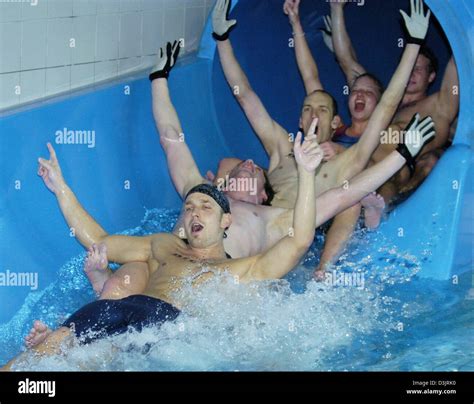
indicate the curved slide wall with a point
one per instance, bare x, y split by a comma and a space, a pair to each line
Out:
126, 171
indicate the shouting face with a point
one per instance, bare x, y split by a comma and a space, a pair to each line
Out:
204, 221
365, 95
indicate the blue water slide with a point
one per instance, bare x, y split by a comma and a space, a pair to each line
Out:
125, 171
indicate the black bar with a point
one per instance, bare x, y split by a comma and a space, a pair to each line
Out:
293, 387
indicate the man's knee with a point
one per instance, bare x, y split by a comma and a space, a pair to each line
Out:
125, 283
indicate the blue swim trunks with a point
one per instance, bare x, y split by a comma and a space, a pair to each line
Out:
112, 317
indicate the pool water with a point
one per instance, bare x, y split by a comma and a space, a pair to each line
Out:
374, 314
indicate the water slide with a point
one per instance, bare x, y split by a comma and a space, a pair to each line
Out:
119, 170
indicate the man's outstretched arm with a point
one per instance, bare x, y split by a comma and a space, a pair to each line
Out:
417, 26
181, 165
447, 102
87, 231
285, 255
343, 49
336, 200
272, 135
306, 63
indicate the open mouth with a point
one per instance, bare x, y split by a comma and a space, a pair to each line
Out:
359, 106
196, 228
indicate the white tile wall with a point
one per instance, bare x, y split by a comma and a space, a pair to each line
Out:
33, 44
82, 75
9, 12
105, 70
130, 35
9, 83
174, 24
152, 33
108, 6
32, 84
59, 8
84, 33
49, 47
84, 7
60, 42
194, 21
107, 37
34, 9
58, 79
10, 44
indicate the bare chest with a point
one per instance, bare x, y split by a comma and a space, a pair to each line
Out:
246, 236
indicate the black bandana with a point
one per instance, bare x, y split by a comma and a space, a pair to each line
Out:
214, 193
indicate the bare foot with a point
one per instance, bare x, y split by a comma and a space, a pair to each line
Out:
96, 265
373, 205
37, 334
319, 275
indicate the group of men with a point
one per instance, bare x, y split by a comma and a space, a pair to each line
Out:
263, 232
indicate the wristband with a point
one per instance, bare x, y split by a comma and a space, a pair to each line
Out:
160, 74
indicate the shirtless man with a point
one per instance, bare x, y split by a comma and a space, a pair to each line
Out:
172, 261
168, 262
443, 105
365, 93
365, 89
255, 227
319, 104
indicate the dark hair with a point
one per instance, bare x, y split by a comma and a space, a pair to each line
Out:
268, 190
213, 192
374, 78
428, 54
334, 102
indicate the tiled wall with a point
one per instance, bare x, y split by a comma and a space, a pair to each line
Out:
49, 47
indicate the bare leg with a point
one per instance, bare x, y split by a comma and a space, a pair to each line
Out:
130, 279
373, 205
49, 346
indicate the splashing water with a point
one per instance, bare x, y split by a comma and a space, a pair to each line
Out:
370, 315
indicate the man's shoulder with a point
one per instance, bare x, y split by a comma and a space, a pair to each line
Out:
423, 106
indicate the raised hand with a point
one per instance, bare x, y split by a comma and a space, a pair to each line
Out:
166, 61
220, 24
291, 9
327, 33
308, 154
416, 135
50, 171
417, 24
